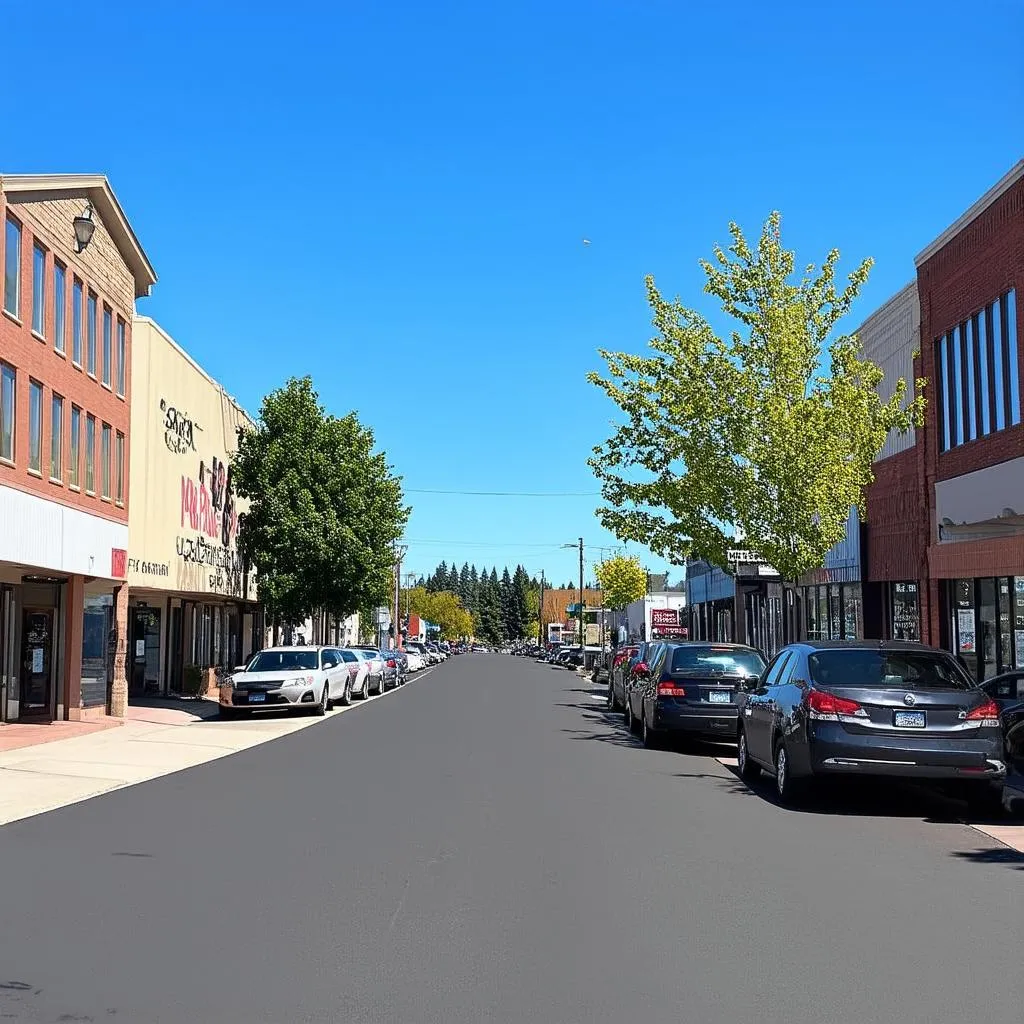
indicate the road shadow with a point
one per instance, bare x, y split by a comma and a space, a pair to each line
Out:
872, 798
993, 855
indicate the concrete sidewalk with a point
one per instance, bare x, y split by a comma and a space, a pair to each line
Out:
156, 739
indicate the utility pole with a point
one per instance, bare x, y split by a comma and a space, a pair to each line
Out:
540, 613
583, 606
400, 550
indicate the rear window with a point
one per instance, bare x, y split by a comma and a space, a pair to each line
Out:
348, 656
885, 670
718, 661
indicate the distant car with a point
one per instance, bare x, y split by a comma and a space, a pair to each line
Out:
415, 661
868, 708
375, 668
287, 678
690, 688
616, 675
401, 661
479, 649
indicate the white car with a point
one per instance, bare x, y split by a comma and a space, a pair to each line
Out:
359, 673
287, 678
416, 661
375, 667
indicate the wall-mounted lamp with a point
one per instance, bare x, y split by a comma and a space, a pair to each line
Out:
84, 227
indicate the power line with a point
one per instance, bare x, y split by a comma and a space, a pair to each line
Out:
507, 494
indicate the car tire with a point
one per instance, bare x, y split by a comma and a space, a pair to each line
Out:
323, 704
749, 769
787, 788
346, 695
631, 723
651, 737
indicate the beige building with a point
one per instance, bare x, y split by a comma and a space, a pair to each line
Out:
192, 600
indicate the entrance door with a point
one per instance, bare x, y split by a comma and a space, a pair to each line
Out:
36, 661
145, 651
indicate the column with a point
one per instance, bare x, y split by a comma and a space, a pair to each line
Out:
119, 686
74, 605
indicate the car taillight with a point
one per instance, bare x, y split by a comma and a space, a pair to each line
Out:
827, 706
392, 663
671, 690
985, 714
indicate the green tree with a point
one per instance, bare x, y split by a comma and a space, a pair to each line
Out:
325, 510
623, 580
441, 607
465, 592
747, 431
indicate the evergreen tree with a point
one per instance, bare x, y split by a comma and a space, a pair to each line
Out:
520, 590
453, 579
508, 605
474, 590
464, 591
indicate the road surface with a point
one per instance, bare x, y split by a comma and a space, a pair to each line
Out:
489, 845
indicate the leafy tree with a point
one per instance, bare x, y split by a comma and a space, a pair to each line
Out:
623, 580
325, 510
441, 607
749, 431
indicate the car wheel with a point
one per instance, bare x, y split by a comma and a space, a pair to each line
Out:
346, 694
786, 786
323, 704
651, 737
630, 720
749, 770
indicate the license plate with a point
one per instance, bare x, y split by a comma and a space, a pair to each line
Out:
257, 698
719, 696
909, 719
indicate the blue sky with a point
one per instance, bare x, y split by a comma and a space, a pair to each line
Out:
392, 197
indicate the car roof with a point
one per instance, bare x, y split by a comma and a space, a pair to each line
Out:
867, 645
717, 644
278, 650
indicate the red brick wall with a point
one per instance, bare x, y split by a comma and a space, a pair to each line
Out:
38, 359
895, 546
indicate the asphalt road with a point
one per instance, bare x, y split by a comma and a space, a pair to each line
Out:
487, 844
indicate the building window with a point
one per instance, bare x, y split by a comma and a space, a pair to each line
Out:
90, 454
39, 289
59, 300
979, 377
122, 355
834, 611
90, 336
76, 439
12, 267
105, 461
56, 436
77, 298
906, 615
7, 381
35, 426
108, 321
119, 468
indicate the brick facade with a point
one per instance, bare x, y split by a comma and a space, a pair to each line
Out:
104, 274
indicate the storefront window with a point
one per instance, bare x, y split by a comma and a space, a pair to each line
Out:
811, 604
823, 612
217, 618
1018, 619
853, 610
1004, 587
965, 630
906, 615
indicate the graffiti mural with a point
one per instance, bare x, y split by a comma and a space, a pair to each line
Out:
179, 430
209, 511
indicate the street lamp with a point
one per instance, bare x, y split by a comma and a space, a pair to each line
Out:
582, 602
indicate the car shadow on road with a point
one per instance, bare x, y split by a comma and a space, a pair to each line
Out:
993, 855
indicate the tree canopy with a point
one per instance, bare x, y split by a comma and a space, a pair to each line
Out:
623, 580
325, 509
441, 607
748, 433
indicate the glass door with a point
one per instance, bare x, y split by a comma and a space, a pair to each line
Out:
9, 692
36, 661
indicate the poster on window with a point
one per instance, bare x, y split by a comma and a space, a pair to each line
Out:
965, 629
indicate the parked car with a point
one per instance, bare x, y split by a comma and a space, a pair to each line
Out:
420, 648
414, 659
1007, 690
287, 678
690, 688
871, 708
375, 668
616, 682
359, 673
401, 661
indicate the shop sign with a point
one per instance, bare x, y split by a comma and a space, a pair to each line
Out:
965, 629
664, 617
742, 556
118, 563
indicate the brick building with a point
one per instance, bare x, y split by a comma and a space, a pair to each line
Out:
65, 389
970, 459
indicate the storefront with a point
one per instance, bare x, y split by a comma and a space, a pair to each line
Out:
193, 600
985, 623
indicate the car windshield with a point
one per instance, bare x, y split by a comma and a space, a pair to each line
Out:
717, 661
349, 656
278, 661
884, 670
